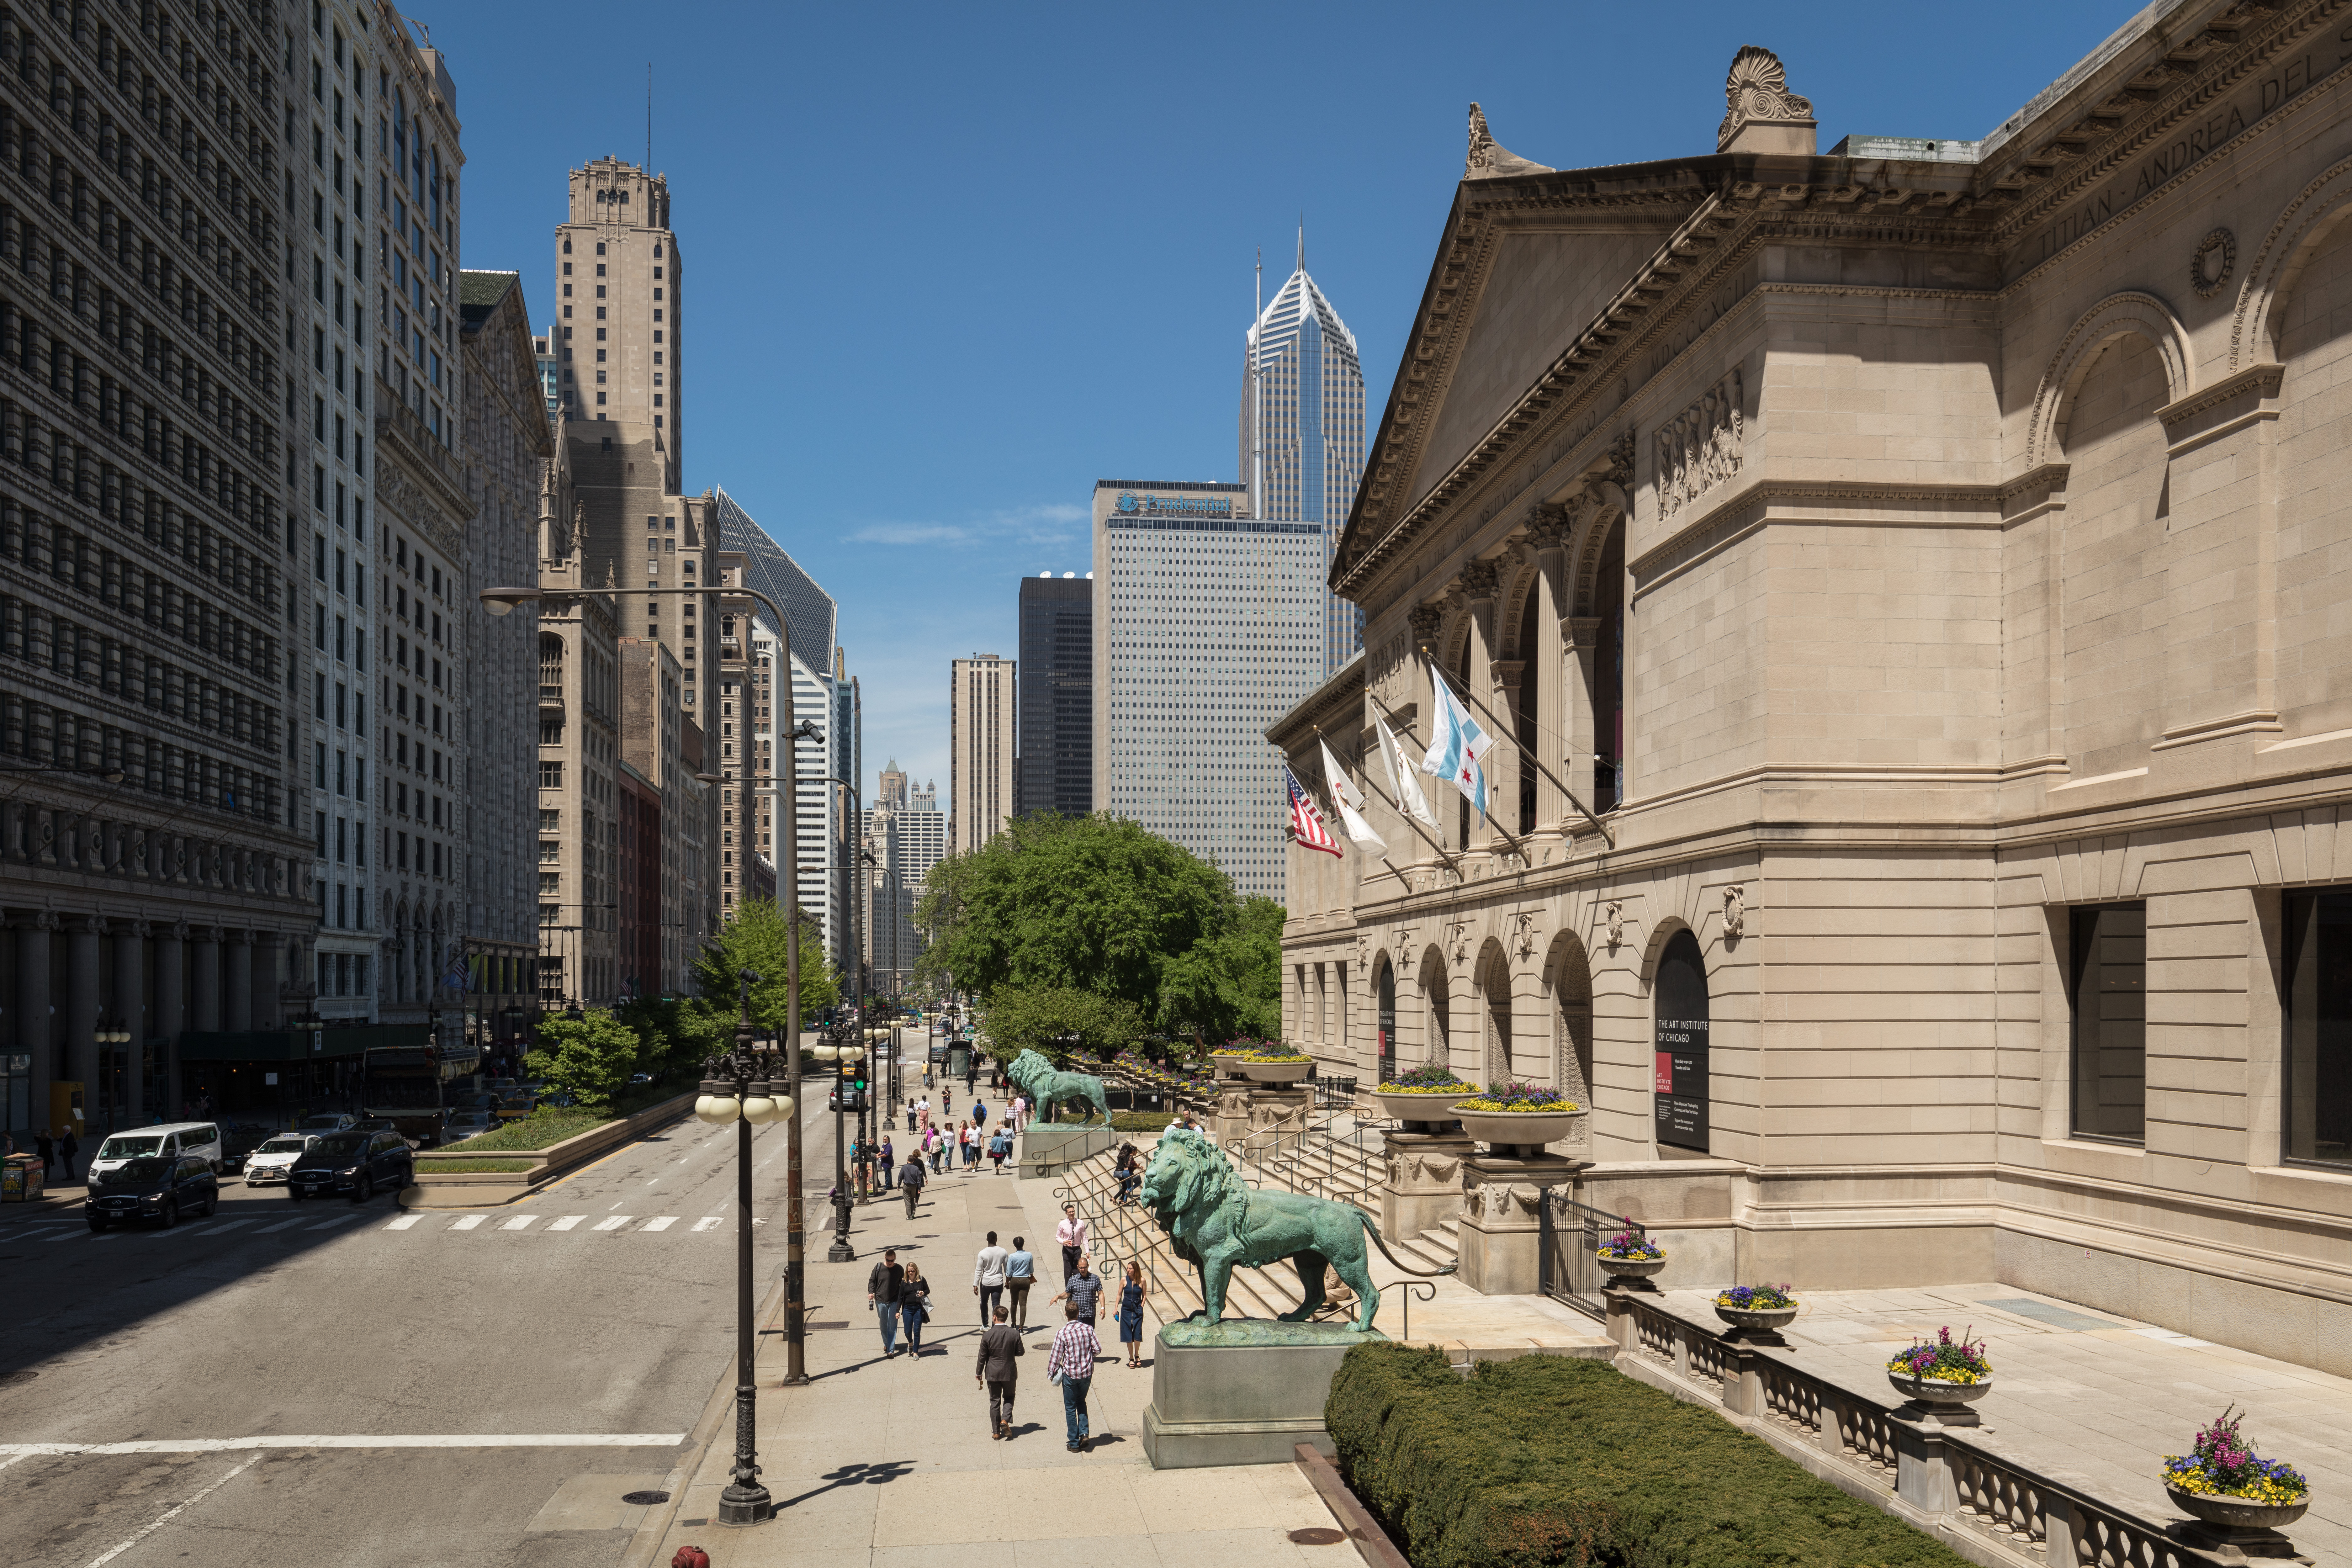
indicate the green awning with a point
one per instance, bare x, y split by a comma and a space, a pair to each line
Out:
297, 1044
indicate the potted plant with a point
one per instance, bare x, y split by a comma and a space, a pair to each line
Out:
1423, 1097
1630, 1258
1521, 1117
1942, 1376
1263, 1061
1765, 1307
2221, 1480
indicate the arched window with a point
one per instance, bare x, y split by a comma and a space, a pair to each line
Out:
1384, 993
1608, 668
1437, 1040
1681, 1011
1528, 704
1494, 991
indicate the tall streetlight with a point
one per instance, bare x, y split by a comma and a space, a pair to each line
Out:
503, 601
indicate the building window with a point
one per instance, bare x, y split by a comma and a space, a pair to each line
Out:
2318, 1099
2109, 992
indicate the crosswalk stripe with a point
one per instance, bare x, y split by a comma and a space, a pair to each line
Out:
404, 1222
468, 1221
662, 1222
567, 1222
706, 1222
281, 1224
68, 1235
216, 1229
611, 1222
339, 1219
519, 1222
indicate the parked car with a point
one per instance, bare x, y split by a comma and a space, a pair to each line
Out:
168, 1142
327, 1121
640, 1080
515, 1107
267, 1166
463, 1125
155, 1189
353, 1163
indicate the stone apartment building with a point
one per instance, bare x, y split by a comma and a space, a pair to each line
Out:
158, 864
580, 802
1909, 588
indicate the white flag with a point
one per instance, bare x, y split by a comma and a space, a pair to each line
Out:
1350, 802
1401, 783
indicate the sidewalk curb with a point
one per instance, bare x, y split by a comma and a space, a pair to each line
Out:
645, 1546
1364, 1533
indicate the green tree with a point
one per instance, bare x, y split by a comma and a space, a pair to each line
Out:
590, 1056
675, 1037
1228, 983
1037, 1018
1092, 903
754, 940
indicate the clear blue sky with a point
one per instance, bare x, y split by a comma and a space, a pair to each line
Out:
947, 266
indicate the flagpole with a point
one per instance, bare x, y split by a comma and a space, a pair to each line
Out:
1505, 731
1408, 819
1391, 871
1516, 848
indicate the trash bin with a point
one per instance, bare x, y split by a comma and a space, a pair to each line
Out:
22, 1179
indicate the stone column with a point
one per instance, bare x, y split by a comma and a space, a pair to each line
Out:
207, 979
1582, 636
1554, 675
171, 1006
32, 1023
236, 962
82, 1003
130, 1007
1424, 622
1477, 585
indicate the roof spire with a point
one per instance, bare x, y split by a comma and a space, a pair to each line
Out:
1302, 242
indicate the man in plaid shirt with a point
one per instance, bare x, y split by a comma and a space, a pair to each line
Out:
1071, 1363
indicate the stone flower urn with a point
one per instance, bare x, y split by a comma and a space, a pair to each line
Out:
2236, 1514
1420, 1109
1948, 1401
1763, 1320
1630, 1273
1510, 1129
1263, 1072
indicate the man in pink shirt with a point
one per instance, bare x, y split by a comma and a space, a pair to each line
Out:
1072, 1234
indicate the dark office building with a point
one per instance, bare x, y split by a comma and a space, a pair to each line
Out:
1057, 768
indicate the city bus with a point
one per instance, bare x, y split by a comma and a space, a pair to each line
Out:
408, 1086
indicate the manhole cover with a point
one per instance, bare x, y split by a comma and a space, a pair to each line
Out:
1316, 1535
639, 1500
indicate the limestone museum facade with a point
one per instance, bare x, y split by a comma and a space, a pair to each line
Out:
1913, 584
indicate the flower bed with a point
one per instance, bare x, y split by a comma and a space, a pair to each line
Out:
1627, 1246
2221, 1464
1756, 1299
1554, 1460
1522, 1099
1428, 1080
1943, 1360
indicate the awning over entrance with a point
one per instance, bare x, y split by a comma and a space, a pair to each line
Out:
297, 1044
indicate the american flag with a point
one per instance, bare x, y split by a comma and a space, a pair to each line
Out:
1307, 823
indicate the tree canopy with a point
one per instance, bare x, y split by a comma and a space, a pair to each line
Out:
1099, 905
754, 940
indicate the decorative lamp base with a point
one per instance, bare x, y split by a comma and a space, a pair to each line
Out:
744, 1505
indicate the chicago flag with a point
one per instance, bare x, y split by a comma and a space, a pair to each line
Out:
1457, 747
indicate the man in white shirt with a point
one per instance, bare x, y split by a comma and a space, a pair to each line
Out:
988, 1277
1072, 1234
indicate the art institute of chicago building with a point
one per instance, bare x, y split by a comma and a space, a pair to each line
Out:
1926, 563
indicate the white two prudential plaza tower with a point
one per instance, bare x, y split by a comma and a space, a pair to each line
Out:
1302, 430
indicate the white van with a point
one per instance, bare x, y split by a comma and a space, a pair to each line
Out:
172, 1140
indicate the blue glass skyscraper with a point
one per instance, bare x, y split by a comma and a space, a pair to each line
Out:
1302, 430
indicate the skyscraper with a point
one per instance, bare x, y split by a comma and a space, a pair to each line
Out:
980, 749
1302, 431
1211, 626
1057, 697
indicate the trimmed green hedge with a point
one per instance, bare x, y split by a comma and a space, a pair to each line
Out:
1151, 1122
1550, 1461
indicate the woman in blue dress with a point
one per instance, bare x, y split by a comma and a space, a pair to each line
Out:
1130, 1313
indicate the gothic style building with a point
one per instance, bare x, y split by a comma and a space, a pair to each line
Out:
1910, 589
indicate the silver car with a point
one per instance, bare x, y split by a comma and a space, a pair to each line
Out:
267, 1166
464, 1124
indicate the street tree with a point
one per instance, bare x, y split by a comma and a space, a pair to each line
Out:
1058, 1022
590, 1058
754, 940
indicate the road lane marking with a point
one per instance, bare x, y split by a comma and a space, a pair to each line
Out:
567, 1222
706, 1222
161, 1519
611, 1222
357, 1440
519, 1222
71, 1236
339, 1219
467, 1222
661, 1221
281, 1224
216, 1229
404, 1222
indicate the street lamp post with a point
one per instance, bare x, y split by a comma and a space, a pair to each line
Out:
503, 601
740, 1086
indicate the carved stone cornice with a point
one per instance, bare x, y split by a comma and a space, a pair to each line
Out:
1548, 527
1424, 620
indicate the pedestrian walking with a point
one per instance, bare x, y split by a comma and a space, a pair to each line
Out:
1129, 1168
980, 1114
910, 1117
1083, 1289
888, 1166
988, 1278
1071, 1364
1130, 1313
47, 1148
936, 1148
968, 1136
998, 1147
882, 1289
1072, 1234
1000, 1349
1020, 1274
910, 1181
914, 1307
67, 1148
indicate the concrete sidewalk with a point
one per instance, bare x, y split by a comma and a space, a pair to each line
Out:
882, 1464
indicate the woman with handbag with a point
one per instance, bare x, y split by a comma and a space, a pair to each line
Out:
1130, 1313
915, 1308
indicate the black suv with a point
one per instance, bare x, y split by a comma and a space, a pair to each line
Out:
355, 1163
154, 1187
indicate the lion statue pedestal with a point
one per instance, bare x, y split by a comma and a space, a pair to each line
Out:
1241, 1391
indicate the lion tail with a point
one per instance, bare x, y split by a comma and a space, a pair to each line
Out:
1381, 1242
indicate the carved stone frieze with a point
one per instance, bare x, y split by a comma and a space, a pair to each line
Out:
1734, 909
1549, 526
1700, 448
1478, 580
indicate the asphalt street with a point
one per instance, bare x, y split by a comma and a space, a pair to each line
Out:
503, 1361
